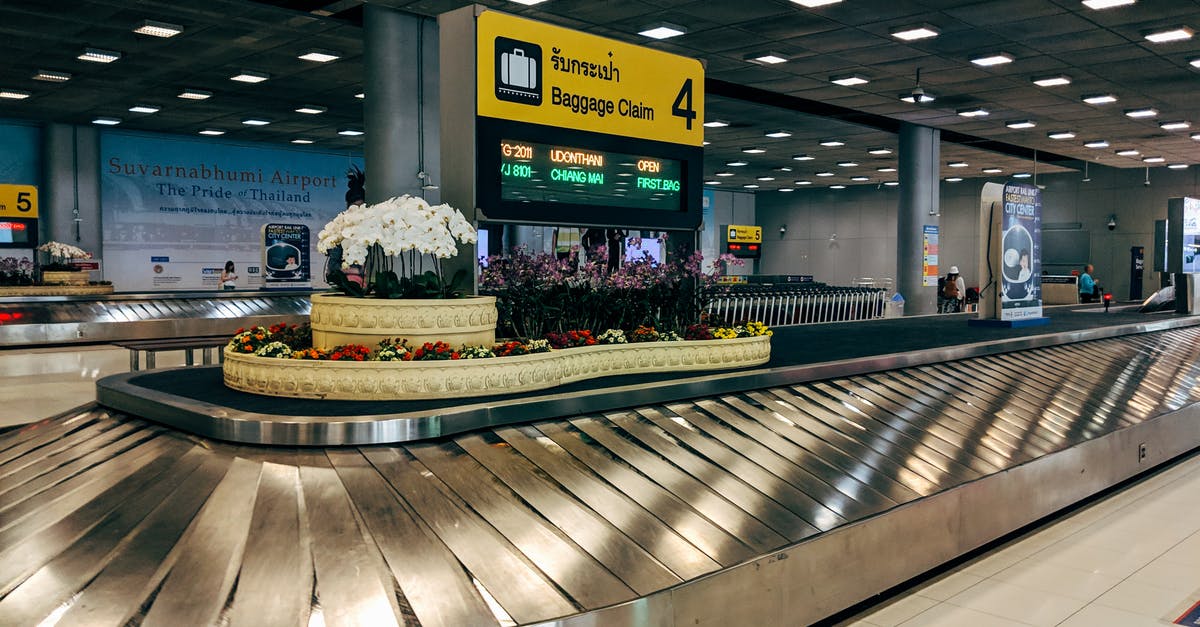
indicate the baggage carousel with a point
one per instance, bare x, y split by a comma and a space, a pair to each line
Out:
776, 496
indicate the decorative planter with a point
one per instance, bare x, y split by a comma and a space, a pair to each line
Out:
56, 290
338, 320
65, 277
413, 380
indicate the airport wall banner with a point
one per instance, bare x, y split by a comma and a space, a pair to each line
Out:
20, 173
176, 209
1021, 252
20, 158
929, 264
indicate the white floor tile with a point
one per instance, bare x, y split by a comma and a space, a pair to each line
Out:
897, 611
1053, 578
1168, 572
1147, 600
1100, 616
946, 615
1017, 603
948, 585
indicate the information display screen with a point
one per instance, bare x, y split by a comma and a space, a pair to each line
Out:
17, 233
540, 172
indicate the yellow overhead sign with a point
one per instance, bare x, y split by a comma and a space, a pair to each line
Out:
18, 201
532, 72
748, 234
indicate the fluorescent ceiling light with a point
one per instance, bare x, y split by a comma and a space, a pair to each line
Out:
716, 123
988, 60
96, 55
1100, 5
212, 131
1178, 166
824, 173
320, 56
1061, 134
769, 58
144, 108
360, 95
849, 80
765, 178
973, 112
847, 164
255, 122
1052, 81
1177, 125
106, 121
832, 143
662, 30
812, 4
1153, 160
753, 150
802, 157
1195, 62
992, 170
750, 186
885, 169
195, 94
954, 179
311, 109
250, 76
528, 3
1196, 136
14, 94
783, 169
712, 182
1128, 152
737, 164
892, 183
803, 182
778, 134
1020, 124
915, 32
705, 143
837, 187
860, 179
918, 96
958, 164
350, 132
1145, 112
724, 173
786, 189
1022, 175
880, 151
1096, 143
1096, 99
1179, 33
158, 29
51, 76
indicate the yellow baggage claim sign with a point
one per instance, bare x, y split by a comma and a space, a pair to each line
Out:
563, 78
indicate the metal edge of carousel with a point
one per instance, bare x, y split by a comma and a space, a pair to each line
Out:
781, 502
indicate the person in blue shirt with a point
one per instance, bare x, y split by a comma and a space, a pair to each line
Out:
1089, 290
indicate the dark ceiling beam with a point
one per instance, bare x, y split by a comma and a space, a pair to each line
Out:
891, 125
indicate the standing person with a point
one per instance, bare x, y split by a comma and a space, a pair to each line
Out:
953, 291
229, 276
1088, 288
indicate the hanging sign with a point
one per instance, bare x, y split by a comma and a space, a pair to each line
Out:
543, 74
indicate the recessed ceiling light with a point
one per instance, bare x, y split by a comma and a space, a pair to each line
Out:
712, 182
915, 32
954, 179
765, 178
724, 173
350, 132
824, 173
891, 183
1176, 125
1128, 152
106, 121
778, 134
768, 58
1100, 5
958, 164
51, 76
14, 94
1178, 166
1195, 63
885, 169
750, 186
1020, 124
833, 143
1178, 33
803, 182
753, 150
847, 164
812, 4
144, 108
212, 131
662, 30
803, 157
1061, 135
992, 170
880, 151
528, 3
1144, 112
1096, 99
1196, 136
705, 143
997, 58
1052, 81
1022, 175
1153, 160
360, 95
783, 169
973, 112
1096, 143
837, 187
786, 189
250, 76
195, 94
716, 123
849, 80
255, 122
158, 29
311, 109
320, 56
860, 179
737, 164
96, 55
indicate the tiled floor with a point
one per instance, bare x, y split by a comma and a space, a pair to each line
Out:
43, 382
1128, 560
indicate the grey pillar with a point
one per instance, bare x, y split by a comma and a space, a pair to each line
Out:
920, 158
392, 109
70, 161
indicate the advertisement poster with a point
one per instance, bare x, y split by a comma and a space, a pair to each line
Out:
285, 262
1191, 236
929, 267
1021, 252
708, 234
176, 209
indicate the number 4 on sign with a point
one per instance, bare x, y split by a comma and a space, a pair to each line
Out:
682, 107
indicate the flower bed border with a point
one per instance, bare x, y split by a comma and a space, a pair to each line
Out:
55, 290
461, 378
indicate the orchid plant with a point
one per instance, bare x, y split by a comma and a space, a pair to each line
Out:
60, 254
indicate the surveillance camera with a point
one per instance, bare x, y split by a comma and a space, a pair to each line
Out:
1112, 225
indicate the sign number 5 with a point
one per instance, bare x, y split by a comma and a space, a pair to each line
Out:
23, 201
682, 107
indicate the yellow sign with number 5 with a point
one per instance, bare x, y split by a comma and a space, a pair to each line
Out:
18, 201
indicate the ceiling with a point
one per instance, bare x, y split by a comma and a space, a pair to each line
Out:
1101, 52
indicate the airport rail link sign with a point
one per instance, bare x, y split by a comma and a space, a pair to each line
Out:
18, 201
542, 74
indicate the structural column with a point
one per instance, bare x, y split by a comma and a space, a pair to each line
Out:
920, 205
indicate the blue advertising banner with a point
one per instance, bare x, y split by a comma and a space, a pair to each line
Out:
1021, 252
176, 209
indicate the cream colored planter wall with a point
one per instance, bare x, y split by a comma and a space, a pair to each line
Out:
338, 320
55, 290
66, 277
412, 380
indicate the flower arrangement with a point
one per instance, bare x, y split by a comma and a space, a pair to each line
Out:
310, 353
698, 332
475, 352
15, 271
274, 349
349, 352
612, 336
571, 339
642, 334
405, 229
430, 351
390, 350
60, 253
248, 341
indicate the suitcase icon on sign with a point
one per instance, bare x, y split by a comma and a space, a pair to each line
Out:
518, 71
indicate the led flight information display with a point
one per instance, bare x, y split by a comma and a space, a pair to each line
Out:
537, 172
